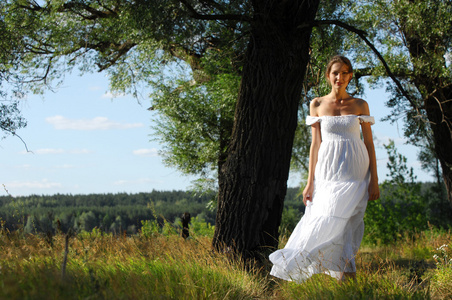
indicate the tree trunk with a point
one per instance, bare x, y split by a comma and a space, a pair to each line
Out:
253, 180
436, 91
439, 113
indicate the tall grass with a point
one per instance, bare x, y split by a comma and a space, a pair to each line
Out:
104, 266
119, 267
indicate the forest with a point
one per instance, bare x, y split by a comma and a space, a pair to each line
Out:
114, 213
110, 213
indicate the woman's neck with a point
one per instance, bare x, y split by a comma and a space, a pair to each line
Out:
339, 94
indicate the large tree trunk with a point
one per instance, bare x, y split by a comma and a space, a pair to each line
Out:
439, 113
428, 59
437, 94
253, 180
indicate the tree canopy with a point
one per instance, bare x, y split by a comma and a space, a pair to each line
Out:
414, 38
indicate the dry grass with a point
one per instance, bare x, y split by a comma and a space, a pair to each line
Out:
167, 267
118, 267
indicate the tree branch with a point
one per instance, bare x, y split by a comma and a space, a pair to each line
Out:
438, 89
214, 4
362, 72
33, 6
14, 134
120, 51
94, 13
224, 17
362, 34
75, 7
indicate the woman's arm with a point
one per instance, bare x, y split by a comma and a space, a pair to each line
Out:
316, 139
374, 190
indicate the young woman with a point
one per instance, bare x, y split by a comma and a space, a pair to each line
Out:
342, 178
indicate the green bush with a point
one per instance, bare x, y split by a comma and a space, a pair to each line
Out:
290, 218
401, 209
149, 228
199, 227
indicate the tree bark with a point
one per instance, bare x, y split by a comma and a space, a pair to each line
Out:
439, 112
253, 180
437, 94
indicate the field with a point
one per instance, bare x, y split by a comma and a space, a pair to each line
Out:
164, 266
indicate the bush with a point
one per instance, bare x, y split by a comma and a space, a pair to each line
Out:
401, 209
290, 218
199, 227
149, 228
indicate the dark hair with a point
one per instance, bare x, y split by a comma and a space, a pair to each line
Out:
338, 59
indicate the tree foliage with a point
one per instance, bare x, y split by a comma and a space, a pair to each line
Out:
187, 54
10, 118
194, 124
414, 38
10, 85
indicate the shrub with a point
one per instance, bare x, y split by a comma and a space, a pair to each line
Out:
401, 208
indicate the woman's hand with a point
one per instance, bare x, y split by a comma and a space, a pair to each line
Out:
374, 190
307, 193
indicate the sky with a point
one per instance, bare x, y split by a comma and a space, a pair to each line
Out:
82, 140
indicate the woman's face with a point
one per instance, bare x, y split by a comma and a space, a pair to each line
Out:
339, 76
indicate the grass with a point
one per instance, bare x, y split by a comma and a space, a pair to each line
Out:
101, 266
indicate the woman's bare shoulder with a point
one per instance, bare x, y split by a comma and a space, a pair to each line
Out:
314, 105
362, 106
316, 102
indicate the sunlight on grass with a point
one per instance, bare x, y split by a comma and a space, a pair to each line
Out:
108, 267
104, 266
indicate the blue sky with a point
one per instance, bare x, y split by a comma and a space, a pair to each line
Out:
85, 141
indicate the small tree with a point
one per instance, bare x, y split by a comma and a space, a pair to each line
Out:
86, 221
402, 208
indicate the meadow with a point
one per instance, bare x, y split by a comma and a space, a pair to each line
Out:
157, 263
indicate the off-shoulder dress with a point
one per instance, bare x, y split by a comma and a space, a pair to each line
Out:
328, 236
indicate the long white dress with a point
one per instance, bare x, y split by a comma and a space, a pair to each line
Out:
329, 234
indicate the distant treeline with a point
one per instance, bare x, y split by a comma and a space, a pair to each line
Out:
403, 207
108, 212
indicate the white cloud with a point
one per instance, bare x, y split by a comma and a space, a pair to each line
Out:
79, 151
48, 151
98, 123
146, 152
43, 184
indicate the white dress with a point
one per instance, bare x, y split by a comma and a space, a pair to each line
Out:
328, 236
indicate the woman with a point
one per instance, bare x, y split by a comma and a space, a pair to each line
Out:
342, 178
